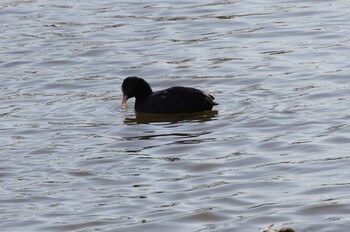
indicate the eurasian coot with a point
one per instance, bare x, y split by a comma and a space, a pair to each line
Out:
168, 101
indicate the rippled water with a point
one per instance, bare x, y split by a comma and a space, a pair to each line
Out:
276, 149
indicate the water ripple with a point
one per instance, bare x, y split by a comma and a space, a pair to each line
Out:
274, 150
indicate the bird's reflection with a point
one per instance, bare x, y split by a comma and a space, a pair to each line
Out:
145, 118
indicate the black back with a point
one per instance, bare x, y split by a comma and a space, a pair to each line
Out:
175, 100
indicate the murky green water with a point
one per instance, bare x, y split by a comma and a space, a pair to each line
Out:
276, 149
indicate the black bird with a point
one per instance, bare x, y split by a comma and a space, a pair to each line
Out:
168, 101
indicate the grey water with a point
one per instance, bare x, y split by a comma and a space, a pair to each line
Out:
275, 151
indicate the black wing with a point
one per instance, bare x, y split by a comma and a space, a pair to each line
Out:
177, 100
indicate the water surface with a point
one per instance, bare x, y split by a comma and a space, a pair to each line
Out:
274, 151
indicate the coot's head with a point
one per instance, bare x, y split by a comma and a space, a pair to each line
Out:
135, 87
286, 229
